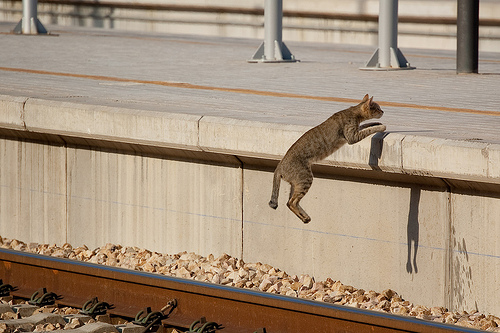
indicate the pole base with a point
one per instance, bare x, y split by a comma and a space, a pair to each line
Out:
281, 54
397, 62
36, 27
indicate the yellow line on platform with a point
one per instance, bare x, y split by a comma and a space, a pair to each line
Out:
247, 91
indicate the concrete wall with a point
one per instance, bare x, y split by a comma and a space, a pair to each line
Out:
33, 191
157, 203
386, 212
475, 224
374, 235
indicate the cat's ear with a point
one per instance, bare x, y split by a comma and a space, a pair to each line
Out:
367, 102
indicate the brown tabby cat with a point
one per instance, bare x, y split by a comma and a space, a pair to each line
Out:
318, 143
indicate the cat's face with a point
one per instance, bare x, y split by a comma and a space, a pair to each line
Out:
375, 110
370, 108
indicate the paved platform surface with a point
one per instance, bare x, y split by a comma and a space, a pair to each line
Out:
210, 76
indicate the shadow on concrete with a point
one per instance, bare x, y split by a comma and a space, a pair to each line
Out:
412, 230
377, 145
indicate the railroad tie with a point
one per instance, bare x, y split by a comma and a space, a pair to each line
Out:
30, 322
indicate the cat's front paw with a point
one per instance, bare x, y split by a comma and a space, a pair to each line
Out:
376, 128
368, 125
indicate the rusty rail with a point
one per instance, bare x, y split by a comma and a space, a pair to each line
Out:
237, 310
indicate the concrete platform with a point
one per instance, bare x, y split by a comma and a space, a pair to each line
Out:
422, 23
169, 142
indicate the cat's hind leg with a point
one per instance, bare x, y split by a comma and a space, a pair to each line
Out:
297, 192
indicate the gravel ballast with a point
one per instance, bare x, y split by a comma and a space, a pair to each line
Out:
230, 271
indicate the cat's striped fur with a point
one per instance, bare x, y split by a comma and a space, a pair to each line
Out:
318, 143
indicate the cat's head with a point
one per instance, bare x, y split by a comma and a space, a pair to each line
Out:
370, 108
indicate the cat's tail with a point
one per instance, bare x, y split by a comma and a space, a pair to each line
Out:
273, 203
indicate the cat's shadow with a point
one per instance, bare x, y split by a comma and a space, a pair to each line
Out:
377, 145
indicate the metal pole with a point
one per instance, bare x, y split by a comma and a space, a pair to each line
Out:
388, 56
273, 49
30, 24
29, 12
467, 36
388, 31
273, 23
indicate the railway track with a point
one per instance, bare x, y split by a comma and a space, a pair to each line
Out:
228, 308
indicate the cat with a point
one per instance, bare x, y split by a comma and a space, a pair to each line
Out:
318, 143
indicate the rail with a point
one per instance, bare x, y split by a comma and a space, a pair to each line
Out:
237, 310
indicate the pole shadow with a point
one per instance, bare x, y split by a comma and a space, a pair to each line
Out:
413, 226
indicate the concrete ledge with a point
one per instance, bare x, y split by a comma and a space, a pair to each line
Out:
443, 158
111, 123
12, 112
388, 152
247, 138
